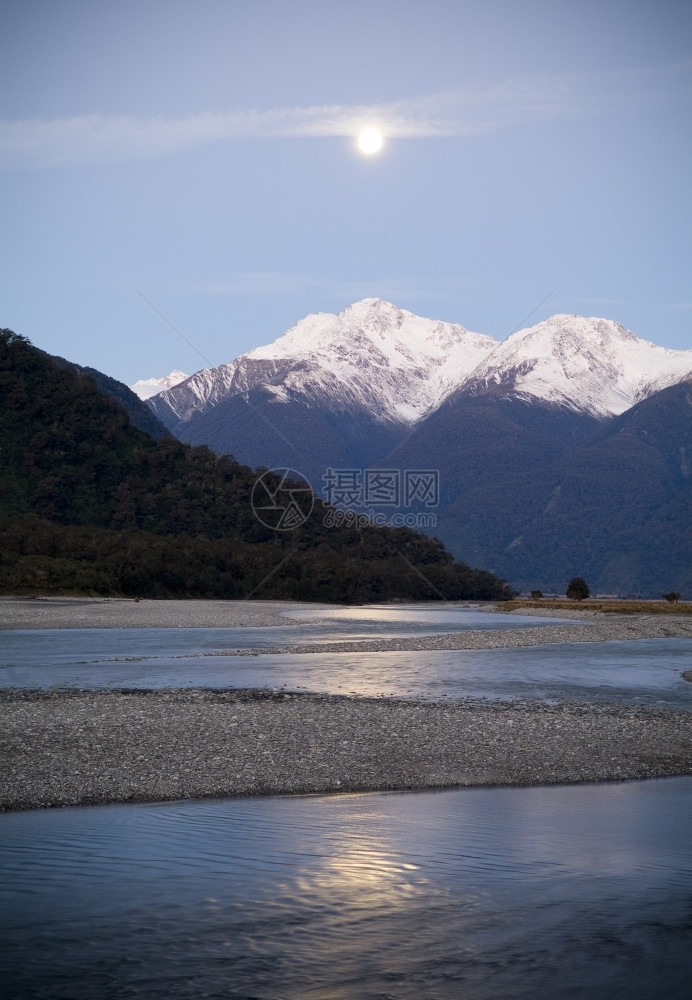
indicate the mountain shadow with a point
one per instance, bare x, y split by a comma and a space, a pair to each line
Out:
561, 494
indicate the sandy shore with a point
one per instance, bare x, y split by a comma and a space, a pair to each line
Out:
83, 747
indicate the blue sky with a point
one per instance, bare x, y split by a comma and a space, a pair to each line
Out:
204, 156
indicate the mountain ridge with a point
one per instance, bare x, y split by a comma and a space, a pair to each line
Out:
400, 367
147, 387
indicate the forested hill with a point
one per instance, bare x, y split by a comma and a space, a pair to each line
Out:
89, 502
137, 410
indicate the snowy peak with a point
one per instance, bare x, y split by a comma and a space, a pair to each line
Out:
400, 336
372, 356
374, 312
587, 364
147, 387
383, 357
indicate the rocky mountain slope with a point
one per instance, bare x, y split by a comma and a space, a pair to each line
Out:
372, 357
332, 391
383, 364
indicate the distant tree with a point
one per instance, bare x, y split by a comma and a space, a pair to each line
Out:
537, 594
577, 589
673, 597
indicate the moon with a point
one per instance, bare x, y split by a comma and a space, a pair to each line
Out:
370, 141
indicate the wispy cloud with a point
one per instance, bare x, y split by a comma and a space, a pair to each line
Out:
94, 139
99, 139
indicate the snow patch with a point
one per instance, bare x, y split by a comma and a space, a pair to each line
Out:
147, 387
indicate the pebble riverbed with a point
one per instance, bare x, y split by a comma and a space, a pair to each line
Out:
63, 747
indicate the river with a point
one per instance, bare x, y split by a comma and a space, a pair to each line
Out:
543, 892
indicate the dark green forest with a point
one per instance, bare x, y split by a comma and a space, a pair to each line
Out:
90, 503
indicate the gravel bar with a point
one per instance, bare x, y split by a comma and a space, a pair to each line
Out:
73, 747
120, 612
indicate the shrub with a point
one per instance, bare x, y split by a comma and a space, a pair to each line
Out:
577, 589
673, 597
537, 594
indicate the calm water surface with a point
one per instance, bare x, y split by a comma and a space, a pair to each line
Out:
582, 891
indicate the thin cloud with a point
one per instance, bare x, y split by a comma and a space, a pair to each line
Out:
98, 139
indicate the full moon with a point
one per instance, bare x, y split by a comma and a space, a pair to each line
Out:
370, 141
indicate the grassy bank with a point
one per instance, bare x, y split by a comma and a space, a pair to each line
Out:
622, 607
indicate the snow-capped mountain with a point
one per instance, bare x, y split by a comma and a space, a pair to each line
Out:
572, 422
372, 356
145, 388
589, 365
399, 367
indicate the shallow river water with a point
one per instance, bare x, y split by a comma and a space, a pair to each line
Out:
582, 891
549, 892
645, 671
